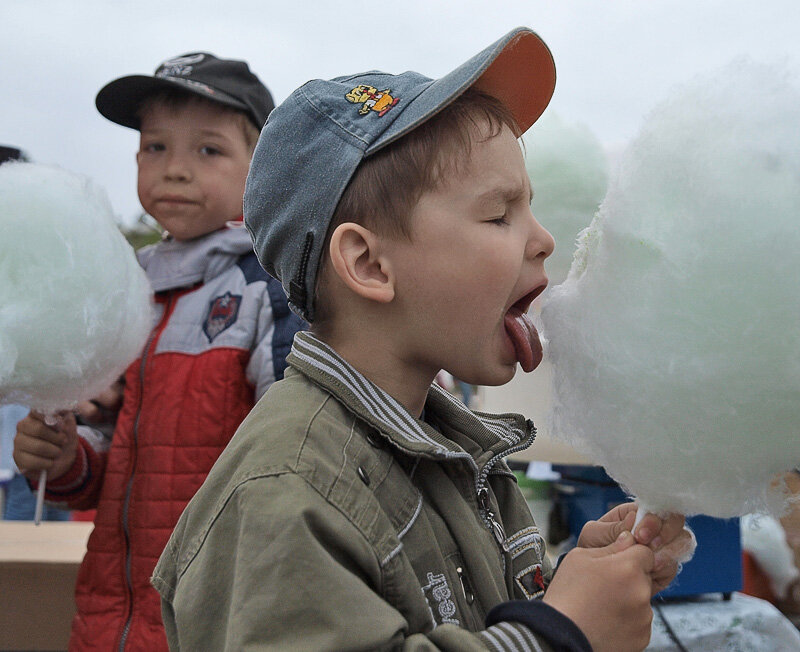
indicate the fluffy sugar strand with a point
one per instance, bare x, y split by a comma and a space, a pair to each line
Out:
75, 305
675, 340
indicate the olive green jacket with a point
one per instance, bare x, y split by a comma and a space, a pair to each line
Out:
335, 520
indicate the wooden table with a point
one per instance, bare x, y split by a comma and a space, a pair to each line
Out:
38, 568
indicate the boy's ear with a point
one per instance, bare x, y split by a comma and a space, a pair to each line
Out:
357, 258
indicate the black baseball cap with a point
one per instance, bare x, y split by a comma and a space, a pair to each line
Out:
226, 81
9, 153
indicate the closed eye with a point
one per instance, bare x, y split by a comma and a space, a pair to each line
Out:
500, 221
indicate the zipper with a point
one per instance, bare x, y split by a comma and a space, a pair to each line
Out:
482, 491
154, 334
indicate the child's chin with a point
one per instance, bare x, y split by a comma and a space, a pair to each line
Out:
499, 377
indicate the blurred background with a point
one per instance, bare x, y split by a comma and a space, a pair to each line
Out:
615, 60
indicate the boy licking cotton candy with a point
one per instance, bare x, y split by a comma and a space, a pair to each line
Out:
359, 506
675, 340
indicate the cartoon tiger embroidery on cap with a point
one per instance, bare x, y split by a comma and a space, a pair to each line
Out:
372, 99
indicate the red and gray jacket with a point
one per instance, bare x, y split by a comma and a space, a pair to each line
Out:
220, 338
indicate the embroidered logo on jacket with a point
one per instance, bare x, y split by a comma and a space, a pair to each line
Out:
371, 99
531, 581
222, 313
525, 540
438, 589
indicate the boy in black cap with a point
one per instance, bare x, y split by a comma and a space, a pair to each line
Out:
359, 506
222, 331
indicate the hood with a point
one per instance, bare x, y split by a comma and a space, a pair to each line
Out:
174, 264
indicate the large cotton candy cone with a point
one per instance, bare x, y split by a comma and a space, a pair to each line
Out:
675, 340
75, 306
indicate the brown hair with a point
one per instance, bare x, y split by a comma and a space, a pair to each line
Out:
386, 186
177, 99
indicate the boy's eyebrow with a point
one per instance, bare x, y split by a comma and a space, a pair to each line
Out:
205, 133
505, 194
212, 132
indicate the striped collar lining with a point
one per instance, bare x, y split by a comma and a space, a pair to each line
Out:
318, 360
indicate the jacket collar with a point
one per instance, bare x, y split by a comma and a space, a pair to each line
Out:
495, 435
174, 264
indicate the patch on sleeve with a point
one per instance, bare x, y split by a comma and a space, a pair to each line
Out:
531, 581
524, 540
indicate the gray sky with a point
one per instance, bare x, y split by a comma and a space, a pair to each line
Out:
615, 58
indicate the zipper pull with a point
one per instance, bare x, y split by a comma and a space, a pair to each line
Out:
497, 528
483, 498
499, 532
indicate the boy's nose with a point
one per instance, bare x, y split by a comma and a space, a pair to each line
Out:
177, 168
540, 243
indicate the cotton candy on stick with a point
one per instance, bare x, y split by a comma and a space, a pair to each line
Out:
675, 340
75, 306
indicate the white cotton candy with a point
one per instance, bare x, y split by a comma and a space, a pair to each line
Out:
764, 537
569, 175
75, 306
675, 340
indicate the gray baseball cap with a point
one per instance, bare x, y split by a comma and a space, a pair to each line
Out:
314, 141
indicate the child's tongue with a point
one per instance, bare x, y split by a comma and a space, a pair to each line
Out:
525, 337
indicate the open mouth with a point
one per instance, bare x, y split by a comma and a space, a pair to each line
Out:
524, 303
522, 332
